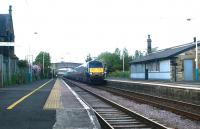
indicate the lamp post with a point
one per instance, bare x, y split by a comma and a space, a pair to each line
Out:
52, 71
196, 57
43, 62
30, 67
196, 60
29, 59
123, 61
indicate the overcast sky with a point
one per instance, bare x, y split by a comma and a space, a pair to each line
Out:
71, 29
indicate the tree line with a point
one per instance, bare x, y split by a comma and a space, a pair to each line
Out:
113, 61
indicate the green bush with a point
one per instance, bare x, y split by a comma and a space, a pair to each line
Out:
14, 79
120, 74
19, 78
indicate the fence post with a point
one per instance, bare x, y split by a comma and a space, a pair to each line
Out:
1, 71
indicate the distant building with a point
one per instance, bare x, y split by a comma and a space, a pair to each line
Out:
174, 64
7, 56
61, 67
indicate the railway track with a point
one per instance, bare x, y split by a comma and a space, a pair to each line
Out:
191, 111
112, 115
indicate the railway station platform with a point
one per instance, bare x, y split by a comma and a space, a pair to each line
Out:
71, 111
180, 84
183, 91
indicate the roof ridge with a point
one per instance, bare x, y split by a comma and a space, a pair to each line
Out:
167, 52
4, 14
182, 45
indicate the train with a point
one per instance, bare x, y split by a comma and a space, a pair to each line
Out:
91, 72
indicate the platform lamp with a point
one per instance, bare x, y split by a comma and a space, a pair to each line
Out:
43, 64
196, 60
123, 61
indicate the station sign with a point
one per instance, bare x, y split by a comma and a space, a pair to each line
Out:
6, 43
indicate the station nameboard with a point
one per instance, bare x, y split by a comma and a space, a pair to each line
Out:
6, 43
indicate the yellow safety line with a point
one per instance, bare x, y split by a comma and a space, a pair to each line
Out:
26, 96
53, 101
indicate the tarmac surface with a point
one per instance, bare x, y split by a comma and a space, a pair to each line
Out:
21, 110
44, 104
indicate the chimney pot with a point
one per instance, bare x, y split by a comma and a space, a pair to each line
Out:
10, 9
148, 45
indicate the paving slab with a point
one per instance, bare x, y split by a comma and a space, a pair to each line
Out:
71, 111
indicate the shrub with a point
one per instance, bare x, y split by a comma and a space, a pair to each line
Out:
120, 74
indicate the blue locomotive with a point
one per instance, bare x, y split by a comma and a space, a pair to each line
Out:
91, 72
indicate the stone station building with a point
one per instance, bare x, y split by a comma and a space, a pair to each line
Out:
8, 59
173, 64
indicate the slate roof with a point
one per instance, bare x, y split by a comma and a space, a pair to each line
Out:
3, 24
6, 27
166, 53
7, 34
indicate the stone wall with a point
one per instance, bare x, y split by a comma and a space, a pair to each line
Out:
180, 63
191, 95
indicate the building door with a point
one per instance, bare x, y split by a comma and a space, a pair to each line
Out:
188, 70
146, 74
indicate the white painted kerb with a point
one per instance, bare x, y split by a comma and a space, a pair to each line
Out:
82, 103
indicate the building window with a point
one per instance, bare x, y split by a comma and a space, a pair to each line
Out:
137, 68
153, 66
1, 39
158, 66
150, 67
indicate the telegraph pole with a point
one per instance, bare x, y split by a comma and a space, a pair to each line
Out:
123, 62
197, 70
43, 63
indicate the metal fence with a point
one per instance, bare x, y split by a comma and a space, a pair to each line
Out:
8, 70
11, 73
1, 71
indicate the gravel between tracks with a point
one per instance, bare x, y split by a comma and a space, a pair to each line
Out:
164, 117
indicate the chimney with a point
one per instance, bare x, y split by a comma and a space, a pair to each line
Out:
148, 45
10, 9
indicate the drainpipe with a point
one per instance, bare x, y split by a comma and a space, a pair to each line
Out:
175, 73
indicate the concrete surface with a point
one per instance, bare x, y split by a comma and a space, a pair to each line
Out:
72, 112
183, 92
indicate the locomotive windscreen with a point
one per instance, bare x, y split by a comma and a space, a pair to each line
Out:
95, 64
